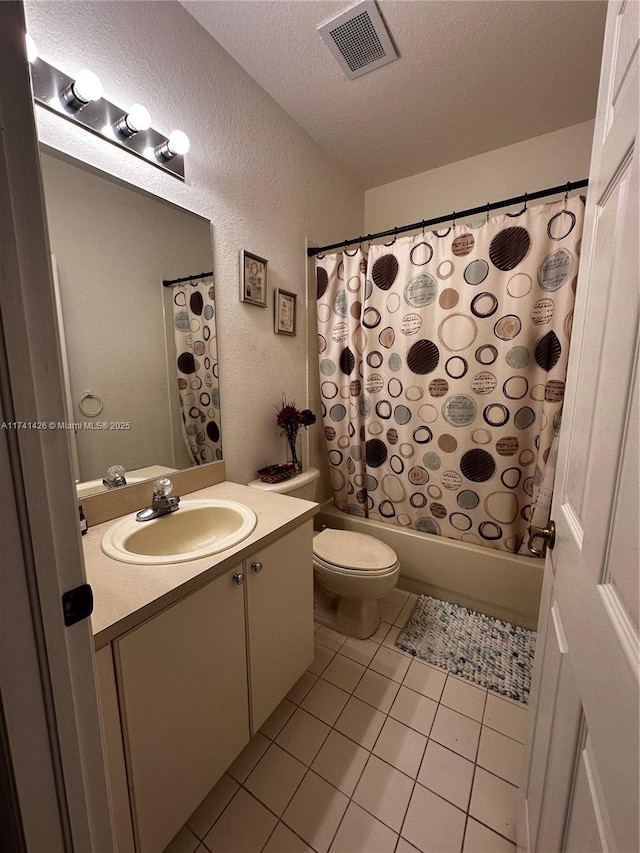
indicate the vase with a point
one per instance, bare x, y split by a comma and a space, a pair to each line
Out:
292, 438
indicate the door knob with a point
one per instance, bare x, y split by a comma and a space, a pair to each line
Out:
239, 578
547, 534
257, 567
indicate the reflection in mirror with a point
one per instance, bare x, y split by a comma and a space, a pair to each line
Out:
138, 355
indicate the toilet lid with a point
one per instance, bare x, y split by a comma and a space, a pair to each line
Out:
348, 550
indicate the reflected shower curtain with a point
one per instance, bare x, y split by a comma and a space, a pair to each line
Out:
450, 388
194, 324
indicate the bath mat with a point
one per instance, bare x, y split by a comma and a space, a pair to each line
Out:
487, 651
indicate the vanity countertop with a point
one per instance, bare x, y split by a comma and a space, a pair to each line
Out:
126, 594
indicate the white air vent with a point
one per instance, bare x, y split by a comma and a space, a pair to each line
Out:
359, 40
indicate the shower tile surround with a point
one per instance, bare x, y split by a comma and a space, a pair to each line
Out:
372, 750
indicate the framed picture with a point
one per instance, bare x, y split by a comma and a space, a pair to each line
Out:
253, 279
285, 312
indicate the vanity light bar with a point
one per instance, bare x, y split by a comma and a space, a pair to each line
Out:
79, 100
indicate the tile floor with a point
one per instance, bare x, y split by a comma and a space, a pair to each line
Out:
372, 751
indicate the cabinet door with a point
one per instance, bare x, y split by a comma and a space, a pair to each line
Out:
280, 623
183, 694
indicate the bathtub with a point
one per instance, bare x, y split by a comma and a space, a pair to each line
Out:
493, 582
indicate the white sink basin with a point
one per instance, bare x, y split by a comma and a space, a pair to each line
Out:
196, 529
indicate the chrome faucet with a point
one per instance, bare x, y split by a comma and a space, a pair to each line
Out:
161, 504
114, 478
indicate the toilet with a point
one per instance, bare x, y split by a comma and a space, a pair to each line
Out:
351, 570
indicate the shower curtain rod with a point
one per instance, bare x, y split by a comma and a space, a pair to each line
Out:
459, 214
167, 282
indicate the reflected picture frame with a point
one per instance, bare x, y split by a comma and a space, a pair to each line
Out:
253, 279
285, 312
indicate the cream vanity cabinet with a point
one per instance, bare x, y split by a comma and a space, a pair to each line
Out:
196, 680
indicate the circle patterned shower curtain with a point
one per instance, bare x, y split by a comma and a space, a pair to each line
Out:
442, 371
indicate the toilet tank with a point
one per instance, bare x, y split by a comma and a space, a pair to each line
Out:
304, 485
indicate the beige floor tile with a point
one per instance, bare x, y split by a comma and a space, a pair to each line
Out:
400, 746
285, 841
506, 717
454, 730
432, 824
272, 727
403, 617
316, 811
447, 774
414, 710
360, 722
399, 597
388, 612
384, 792
464, 697
390, 641
405, 847
501, 755
381, 631
340, 762
184, 842
377, 690
249, 757
275, 778
302, 686
361, 651
321, 659
390, 663
425, 679
303, 736
359, 832
212, 806
344, 673
494, 803
325, 701
480, 839
244, 827
328, 637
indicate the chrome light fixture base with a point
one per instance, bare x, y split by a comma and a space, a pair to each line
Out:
100, 117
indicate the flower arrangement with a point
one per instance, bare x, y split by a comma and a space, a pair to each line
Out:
290, 419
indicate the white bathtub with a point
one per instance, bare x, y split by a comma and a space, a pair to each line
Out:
483, 579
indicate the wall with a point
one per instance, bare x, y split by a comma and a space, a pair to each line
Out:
544, 161
113, 246
251, 170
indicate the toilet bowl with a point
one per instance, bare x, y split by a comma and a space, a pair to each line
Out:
352, 571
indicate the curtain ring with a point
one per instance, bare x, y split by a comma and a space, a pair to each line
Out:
395, 237
424, 222
453, 219
349, 254
526, 202
488, 209
566, 194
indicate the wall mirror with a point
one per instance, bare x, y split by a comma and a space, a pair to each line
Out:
136, 354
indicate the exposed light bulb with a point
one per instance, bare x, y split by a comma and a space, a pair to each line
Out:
84, 89
32, 49
134, 121
178, 143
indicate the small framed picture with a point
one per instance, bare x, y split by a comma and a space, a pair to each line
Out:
285, 312
253, 279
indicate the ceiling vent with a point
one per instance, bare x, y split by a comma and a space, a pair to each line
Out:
359, 40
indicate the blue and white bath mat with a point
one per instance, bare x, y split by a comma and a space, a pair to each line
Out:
492, 653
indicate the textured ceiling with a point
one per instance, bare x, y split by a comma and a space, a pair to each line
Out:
473, 75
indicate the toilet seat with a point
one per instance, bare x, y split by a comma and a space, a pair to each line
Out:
357, 554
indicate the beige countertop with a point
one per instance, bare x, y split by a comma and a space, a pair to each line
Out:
126, 594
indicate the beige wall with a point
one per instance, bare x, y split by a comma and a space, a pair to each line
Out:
544, 161
113, 246
251, 170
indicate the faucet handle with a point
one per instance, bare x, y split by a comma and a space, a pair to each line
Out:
162, 488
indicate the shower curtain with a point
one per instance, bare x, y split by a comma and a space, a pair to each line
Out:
442, 367
194, 324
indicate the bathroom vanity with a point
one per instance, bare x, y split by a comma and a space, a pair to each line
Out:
192, 658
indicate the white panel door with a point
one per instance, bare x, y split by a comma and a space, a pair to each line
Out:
580, 790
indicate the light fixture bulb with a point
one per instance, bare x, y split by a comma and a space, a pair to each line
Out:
178, 143
84, 89
32, 49
134, 121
